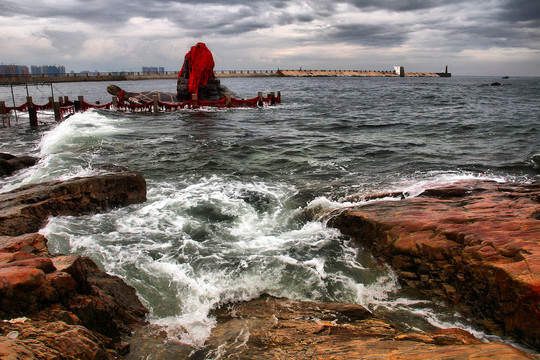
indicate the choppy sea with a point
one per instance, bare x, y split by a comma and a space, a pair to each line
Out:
235, 195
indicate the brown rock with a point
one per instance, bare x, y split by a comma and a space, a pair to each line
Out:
10, 163
14, 280
25, 209
28, 243
475, 243
41, 263
270, 328
53, 340
65, 292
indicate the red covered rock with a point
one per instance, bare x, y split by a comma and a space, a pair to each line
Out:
197, 77
475, 243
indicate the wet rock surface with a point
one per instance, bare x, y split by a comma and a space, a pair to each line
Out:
474, 244
10, 164
273, 328
63, 306
25, 209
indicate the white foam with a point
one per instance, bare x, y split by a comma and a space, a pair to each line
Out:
68, 149
246, 252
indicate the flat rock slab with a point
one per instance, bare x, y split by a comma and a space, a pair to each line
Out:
24, 210
272, 328
474, 243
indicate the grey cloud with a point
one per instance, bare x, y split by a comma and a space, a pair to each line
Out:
71, 41
521, 10
368, 35
400, 5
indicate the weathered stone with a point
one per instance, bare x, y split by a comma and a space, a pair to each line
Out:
65, 291
271, 328
28, 243
25, 209
54, 340
14, 280
41, 263
478, 241
10, 163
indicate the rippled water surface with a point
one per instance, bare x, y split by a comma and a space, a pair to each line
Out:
235, 195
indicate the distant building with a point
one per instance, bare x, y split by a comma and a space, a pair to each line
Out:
48, 70
12, 70
151, 70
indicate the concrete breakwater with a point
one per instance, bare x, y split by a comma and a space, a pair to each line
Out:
353, 73
105, 76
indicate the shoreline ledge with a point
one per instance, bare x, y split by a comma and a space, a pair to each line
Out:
475, 244
63, 306
56, 306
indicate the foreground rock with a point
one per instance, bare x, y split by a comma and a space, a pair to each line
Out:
61, 307
9, 164
24, 210
475, 244
271, 328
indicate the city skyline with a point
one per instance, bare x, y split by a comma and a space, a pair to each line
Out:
493, 37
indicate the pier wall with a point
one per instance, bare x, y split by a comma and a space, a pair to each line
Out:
24, 79
352, 73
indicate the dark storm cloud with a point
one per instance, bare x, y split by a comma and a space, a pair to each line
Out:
521, 10
452, 24
399, 5
368, 35
183, 13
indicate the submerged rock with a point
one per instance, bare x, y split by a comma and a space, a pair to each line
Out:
474, 243
9, 164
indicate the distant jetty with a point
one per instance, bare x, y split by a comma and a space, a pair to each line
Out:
399, 71
122, 76
354, 73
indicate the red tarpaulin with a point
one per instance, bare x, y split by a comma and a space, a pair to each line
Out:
199, 66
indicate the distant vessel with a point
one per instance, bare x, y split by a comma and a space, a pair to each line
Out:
506, 77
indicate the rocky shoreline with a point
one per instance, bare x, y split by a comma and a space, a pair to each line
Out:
473, 244
56, 306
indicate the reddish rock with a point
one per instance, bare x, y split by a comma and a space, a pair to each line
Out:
28, 243
53, 340
474, 243
73, 290
270, 328
24, 210
41, 263
78, 311
16, 280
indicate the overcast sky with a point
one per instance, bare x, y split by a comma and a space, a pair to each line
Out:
477, 37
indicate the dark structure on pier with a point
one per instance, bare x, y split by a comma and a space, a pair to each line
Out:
445, 73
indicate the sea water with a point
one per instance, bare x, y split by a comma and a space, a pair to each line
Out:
236, 196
